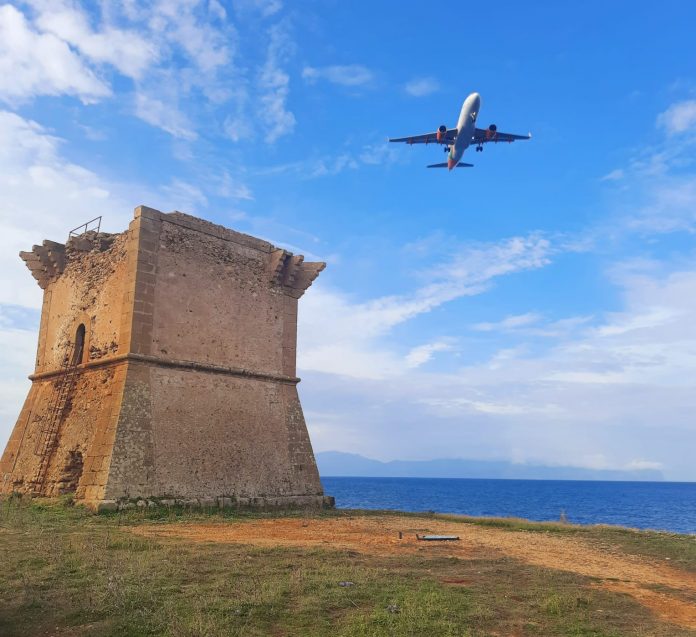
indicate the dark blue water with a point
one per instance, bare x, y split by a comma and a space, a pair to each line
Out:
668, 506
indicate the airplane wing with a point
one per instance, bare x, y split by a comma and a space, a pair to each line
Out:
485, 135
461, 164
429, 138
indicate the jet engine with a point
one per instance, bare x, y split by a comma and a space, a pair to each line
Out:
490, 133
441, 132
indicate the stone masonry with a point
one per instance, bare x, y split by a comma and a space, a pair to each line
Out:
165, 370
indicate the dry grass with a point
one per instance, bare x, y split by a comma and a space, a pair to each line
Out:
65, 572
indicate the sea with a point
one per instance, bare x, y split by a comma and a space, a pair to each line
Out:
664, 506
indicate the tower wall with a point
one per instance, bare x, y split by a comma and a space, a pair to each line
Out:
186, 388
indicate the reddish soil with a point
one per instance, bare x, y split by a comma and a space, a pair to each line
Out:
379, 535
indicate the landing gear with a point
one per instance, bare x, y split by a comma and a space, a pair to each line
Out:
479, 148
446, 149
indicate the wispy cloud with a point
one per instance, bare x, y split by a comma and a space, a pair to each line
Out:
679, 117
658, 183
35, 177
509, 323
266, 8
164, 115
616, 393
614, 175
274, 85
351, 75
346, 338
181, 57
422, 86
423, 353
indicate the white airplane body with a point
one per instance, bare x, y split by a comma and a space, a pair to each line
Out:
457, 140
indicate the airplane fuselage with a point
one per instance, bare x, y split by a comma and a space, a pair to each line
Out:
466, 125
456, 140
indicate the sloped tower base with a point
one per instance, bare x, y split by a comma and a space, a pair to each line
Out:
166, 371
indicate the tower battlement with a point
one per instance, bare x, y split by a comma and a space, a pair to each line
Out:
165, 368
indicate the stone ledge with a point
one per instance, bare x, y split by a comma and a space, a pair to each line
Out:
174, 363
259, 503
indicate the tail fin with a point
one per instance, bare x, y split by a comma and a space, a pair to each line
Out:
461, 164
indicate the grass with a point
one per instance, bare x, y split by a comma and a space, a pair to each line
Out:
66, 572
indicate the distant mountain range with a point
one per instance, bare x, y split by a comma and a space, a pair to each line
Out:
336, 463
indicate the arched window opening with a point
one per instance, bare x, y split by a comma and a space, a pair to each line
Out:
79, 344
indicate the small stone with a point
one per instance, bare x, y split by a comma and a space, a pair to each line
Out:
393, 608
346, 584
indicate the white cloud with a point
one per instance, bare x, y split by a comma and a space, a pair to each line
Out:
332, 166
345, 75
33, 63
350, 159
233, 188
657, 187
180, 55
422, 86
612, 390
643, 464
42, 195
238, 127
679, 117
19, 351
378, 154
163, 115
266, 8
667, 204
423, 353
614, 175
509, 323
274, 86
343, 337
184, 196
185, 26
217, 10
125, 49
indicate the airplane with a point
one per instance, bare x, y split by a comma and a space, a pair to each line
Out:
457, 140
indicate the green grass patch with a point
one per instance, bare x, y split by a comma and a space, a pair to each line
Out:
65, 571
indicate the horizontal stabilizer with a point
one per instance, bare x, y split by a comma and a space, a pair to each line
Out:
461, 164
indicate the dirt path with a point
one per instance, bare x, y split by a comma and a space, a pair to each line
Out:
380, 536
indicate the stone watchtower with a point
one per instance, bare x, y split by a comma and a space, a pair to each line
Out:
166, 369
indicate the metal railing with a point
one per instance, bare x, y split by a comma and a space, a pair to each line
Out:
85, 227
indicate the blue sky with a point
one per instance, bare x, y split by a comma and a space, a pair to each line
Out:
540, 307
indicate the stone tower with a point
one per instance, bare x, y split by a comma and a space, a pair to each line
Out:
166, 369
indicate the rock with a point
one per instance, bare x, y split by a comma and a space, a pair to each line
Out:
107, 505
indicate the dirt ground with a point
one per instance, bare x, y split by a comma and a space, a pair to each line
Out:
379, 535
